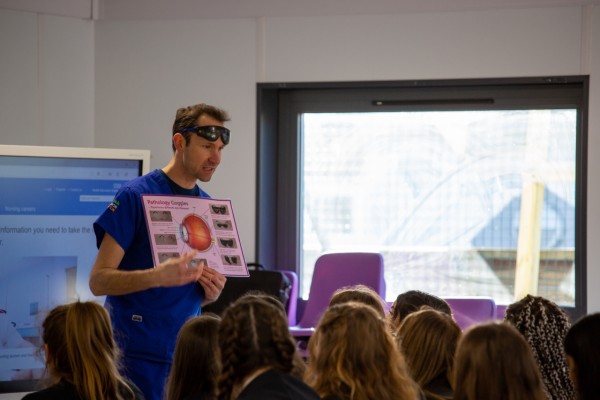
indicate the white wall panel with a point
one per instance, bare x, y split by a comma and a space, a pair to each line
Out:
18, 78
470, 44
66, 83
46, 80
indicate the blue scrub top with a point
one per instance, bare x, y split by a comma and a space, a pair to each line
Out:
145, 323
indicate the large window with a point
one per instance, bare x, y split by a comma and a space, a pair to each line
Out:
466, 187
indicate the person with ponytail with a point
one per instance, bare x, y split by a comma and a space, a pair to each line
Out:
258, 354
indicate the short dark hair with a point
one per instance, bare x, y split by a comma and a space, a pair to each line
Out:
412, 300
581, 344
187, 117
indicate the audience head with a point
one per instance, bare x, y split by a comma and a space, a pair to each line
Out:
428, 340
80, 349
265, 296
411, 301
494, 362
583, 356
253, 335
55, 345
544, 325
361, 294
352, 355
196, 362
299, 363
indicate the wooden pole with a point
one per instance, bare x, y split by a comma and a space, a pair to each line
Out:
530, 233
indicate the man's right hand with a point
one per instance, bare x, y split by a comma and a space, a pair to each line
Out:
107, 279
176, 271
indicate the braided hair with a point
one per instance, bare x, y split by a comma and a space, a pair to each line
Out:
544, 325
253, 334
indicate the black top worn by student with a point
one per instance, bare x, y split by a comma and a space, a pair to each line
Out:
275, 385
64, 390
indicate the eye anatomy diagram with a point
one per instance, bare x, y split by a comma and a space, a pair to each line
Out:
180, 224
195, 232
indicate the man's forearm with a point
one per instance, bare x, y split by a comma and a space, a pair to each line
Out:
110, 281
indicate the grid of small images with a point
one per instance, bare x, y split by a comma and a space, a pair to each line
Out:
179, 224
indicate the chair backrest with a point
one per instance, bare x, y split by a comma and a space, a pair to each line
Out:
336, 270
471, 310
292, 305
501, 310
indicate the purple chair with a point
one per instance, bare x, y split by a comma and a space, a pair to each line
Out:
292, 305
333, 271
471, 310
501, 310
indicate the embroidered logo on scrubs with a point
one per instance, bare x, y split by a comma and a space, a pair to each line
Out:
113, 206
136, 318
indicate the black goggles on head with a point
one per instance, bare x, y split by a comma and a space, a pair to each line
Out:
210, 132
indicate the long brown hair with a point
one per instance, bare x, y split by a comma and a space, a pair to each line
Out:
196, 362
428, 340
81, 350
494, 362
352, 355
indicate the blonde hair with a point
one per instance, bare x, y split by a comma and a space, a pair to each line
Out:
352, 355
428, 340
494, 362
82, 350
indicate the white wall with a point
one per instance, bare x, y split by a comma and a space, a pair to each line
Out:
501, 43
46, 80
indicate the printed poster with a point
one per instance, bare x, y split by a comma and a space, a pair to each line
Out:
180, 224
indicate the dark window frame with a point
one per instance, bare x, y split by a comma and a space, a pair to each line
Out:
278, 163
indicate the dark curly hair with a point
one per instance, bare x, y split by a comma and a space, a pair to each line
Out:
544, 325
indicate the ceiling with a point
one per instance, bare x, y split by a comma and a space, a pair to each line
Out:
221, 9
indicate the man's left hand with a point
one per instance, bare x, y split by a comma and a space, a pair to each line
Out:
213, 283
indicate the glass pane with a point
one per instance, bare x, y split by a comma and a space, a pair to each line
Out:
441, 194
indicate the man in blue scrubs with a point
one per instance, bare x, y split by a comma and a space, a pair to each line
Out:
149, 303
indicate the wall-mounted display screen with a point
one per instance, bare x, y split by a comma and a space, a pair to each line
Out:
49, 199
